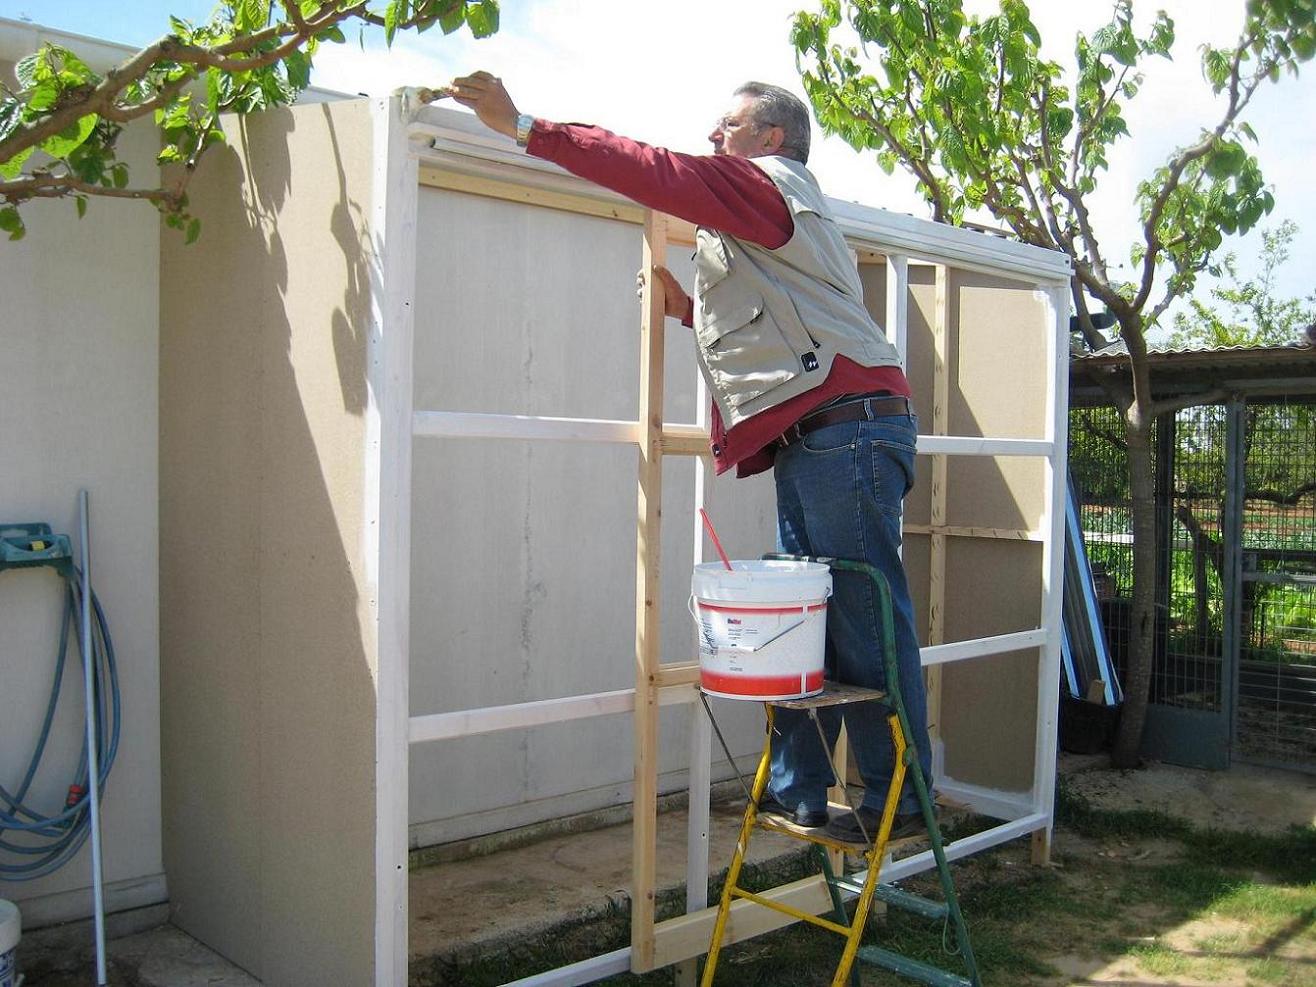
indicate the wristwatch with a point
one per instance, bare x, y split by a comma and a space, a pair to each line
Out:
523, 124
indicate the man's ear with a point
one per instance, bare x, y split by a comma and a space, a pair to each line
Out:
773, 139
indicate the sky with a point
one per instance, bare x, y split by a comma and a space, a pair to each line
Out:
660, 72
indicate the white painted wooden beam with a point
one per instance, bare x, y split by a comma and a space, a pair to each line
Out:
1000, 644
514, 716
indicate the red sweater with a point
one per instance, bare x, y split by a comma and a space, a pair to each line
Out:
724, 193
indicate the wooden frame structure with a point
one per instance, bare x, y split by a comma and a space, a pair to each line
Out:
444, 150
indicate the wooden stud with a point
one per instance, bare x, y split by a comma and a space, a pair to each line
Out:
688, 935
685, 440
1040, 851
678, 231
969, 531
676, 674
648, 656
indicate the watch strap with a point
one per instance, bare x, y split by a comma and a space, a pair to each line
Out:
523, 124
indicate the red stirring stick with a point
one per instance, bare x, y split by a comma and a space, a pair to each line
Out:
717, 542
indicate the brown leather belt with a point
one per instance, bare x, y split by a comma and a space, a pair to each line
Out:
862, 409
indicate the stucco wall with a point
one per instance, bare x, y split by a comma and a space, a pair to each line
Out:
78, 338
267, 677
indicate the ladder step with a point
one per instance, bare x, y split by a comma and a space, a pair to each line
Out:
914, 969
897, 898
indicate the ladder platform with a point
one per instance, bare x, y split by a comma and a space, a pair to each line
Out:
777, 823
913, 969
833, 694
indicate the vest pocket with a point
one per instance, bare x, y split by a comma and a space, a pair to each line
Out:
745, 351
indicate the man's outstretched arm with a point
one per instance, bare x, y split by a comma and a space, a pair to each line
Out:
722, 192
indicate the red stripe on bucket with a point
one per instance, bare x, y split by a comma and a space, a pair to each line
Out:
718, 608
760, 685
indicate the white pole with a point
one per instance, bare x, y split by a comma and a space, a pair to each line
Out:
93, 762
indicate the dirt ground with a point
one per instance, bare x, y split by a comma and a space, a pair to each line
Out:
1266, 800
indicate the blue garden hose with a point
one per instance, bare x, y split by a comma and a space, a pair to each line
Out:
45, 842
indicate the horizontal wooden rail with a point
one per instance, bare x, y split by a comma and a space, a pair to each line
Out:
493, 719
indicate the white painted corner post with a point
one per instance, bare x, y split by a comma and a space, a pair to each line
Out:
1053, 563
391, 248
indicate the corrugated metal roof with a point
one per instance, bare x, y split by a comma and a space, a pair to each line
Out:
1241, 355
1257, 370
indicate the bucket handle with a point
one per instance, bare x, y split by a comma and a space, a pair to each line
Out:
692, 606
776, 637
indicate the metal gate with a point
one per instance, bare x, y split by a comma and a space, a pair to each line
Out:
1234, 665
1188, 713
1276, 721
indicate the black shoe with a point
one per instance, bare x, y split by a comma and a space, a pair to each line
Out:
906, 825
802, 817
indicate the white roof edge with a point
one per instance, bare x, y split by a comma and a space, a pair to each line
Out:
20, 38
456, 139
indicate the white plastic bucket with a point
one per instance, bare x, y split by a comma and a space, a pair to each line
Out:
10, 928
762, 628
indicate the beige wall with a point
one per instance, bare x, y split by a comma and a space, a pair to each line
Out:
523, 553
996, 376
269, 704
78, 339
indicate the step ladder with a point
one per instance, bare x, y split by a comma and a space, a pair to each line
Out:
874, 851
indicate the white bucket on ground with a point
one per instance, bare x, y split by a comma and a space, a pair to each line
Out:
10, 927
762, 628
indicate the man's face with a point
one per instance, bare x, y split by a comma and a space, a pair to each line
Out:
736, 133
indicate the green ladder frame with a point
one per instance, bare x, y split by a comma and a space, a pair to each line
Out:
869, 889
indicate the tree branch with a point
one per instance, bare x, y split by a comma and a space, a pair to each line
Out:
102, 100
52, 186
921, 171
1238, 100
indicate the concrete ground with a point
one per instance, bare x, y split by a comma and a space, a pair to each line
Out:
502, 892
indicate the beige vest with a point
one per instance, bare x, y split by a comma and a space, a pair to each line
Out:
770, 322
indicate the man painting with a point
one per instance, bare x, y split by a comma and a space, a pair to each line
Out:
803, 383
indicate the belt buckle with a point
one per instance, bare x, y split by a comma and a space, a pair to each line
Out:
790, 435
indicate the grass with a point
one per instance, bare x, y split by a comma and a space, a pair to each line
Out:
1181, 902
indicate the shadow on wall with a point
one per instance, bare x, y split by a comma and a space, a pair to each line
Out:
267, 682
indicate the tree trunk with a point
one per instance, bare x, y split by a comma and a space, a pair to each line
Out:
1143, 632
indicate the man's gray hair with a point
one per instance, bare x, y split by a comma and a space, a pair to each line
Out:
776, 107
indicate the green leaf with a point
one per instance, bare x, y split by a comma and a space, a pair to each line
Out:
298, 68
453, 18
81, 202
119, 175
483, 19
9, 170
193, 230
11, 115
392, 15
71, 137
168, 154
43, 95
250, 15
28, 70
11, 222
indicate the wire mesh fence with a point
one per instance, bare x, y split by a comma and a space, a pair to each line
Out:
1277, 668
1276, 697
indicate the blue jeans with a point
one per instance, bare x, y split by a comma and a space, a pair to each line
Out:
839, 491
